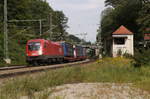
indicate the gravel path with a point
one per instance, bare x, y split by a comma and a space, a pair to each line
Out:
98, 91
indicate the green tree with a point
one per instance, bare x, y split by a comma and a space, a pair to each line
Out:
60, 24
20, 32
144, 18
120, 12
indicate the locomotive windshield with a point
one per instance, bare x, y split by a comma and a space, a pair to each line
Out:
34, 46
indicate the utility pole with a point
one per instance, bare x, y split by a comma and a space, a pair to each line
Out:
6, 56
40, 22
100, 44
50, 25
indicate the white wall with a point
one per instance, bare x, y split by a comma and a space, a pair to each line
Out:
128, 47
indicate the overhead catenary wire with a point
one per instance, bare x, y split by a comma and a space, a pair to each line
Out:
31, 20
84, 36
6, 21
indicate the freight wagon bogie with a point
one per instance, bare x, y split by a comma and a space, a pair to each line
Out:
44, 61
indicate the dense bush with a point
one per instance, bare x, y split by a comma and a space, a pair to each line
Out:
142, 58
127, 55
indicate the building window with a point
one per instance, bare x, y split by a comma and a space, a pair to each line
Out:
119, 41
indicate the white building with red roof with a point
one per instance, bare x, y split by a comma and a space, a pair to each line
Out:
122, 42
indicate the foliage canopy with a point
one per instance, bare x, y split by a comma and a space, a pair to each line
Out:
133, 14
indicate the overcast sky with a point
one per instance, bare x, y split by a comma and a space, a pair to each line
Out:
84, 15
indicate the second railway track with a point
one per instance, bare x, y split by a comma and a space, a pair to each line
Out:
16, 71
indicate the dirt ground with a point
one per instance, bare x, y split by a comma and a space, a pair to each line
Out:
98, 91
94, 91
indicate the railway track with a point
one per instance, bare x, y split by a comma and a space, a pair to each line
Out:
22, 70
12, 67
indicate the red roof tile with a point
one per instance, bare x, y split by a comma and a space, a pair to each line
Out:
122, 31
147, 36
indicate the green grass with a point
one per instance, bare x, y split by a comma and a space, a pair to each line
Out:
116, 70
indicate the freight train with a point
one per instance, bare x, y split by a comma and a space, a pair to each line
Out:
41, 52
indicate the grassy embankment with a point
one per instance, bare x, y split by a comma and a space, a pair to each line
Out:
117, 70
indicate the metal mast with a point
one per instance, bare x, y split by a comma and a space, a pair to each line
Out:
40, 22
6, 56
100, 43
50, 23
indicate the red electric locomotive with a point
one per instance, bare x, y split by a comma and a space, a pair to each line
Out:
40, 51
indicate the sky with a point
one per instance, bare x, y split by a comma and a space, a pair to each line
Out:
84, 15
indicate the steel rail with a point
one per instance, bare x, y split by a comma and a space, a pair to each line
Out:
7, 73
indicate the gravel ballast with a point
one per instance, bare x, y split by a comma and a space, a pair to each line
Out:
93, 91
98, 91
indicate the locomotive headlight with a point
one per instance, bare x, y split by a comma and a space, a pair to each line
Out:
40, 52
